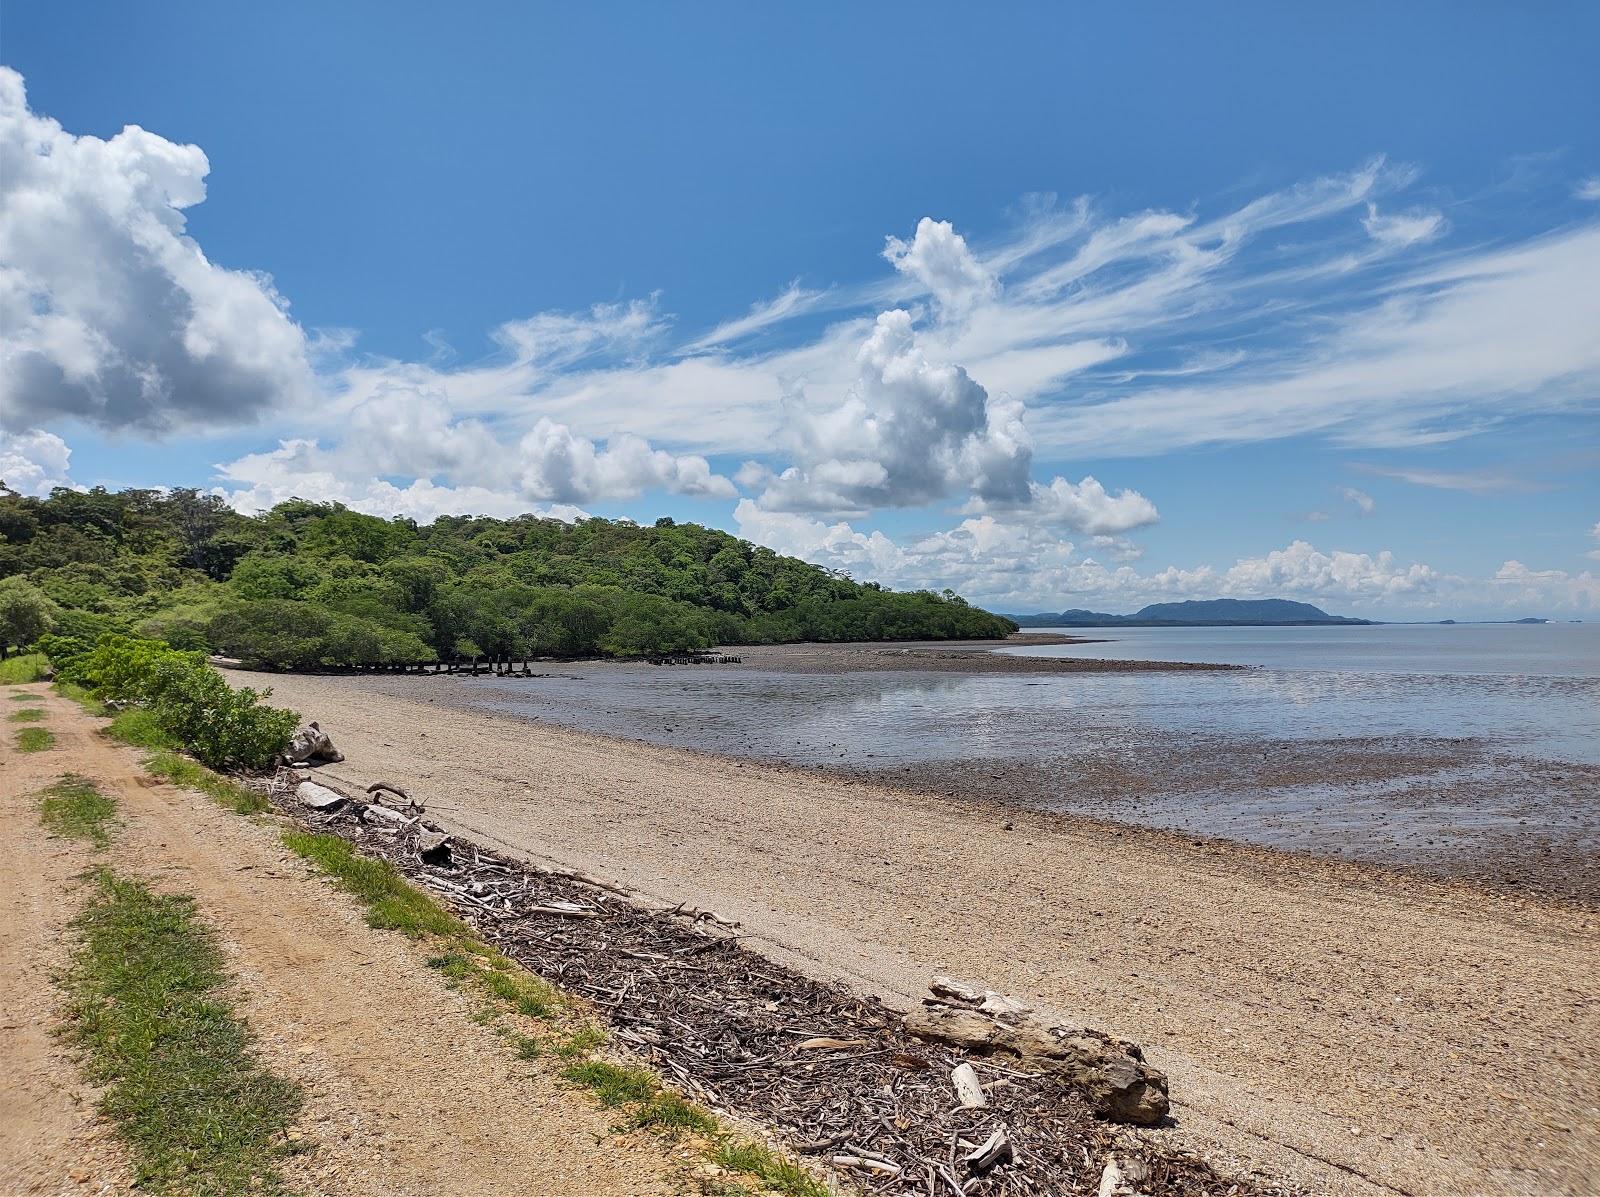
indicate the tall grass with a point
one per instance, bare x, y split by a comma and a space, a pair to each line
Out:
20, 670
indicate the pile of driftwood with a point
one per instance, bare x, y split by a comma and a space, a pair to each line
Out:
971, 1095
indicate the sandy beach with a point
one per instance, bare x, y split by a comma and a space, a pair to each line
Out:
1352, 1029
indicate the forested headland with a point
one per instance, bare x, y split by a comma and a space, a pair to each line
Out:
309, 586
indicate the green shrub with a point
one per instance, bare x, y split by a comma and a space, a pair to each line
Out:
26, 613
187, 700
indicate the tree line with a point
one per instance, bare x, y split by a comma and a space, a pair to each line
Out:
311, 585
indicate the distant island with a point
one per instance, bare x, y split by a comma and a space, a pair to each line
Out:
1194, 613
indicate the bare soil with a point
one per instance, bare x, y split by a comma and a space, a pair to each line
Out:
1351, 1029
406, 1095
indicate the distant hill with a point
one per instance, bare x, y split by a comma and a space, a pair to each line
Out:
1194, 613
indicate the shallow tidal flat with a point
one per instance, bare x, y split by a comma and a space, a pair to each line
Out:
1484, 778
1356, 1030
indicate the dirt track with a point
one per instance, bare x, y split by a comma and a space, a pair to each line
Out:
405, 1095
1360, 1031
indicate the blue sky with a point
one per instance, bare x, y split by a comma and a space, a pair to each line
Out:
1073, 306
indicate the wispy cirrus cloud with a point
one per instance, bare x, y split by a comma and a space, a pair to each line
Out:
1477, 482
792, 302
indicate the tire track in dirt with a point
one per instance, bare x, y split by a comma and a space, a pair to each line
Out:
51, 1139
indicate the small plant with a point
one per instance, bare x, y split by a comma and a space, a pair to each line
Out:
613, 1084
75, 807
671, 1112
581, 1042
527, 1047
775, 1171
138, 726
35, 739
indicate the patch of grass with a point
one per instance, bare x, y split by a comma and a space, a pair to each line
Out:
526, 1047
199, 1113
138, 726
775, 1171
181, 771
524, 992
670, 1112
391, 903
613, 1084
19, 671
75, 807
24, 696
80, 696
26, 715
35, 739
581, 1042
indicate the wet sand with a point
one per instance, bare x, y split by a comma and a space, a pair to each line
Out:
1354, 1029
947, 656
1134, 742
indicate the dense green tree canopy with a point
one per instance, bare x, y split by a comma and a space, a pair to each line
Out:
313, 585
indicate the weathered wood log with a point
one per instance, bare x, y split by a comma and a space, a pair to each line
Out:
826, 1043
319, 797
311, 743
1112, 1073
996, 1149
374, 813
433, 848
867, 1163
379, 787
964, 993
1122, 1178
564, 911
968, 1088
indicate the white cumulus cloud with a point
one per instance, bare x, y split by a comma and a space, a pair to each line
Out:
910, 431
33, 463
937, 257
111, 313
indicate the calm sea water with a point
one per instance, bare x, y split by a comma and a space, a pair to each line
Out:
1406, 743
1507, 650
1528, 689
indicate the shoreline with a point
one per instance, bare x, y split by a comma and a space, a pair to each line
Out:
1536, 878
946, 656
1458, 808
1291, 999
